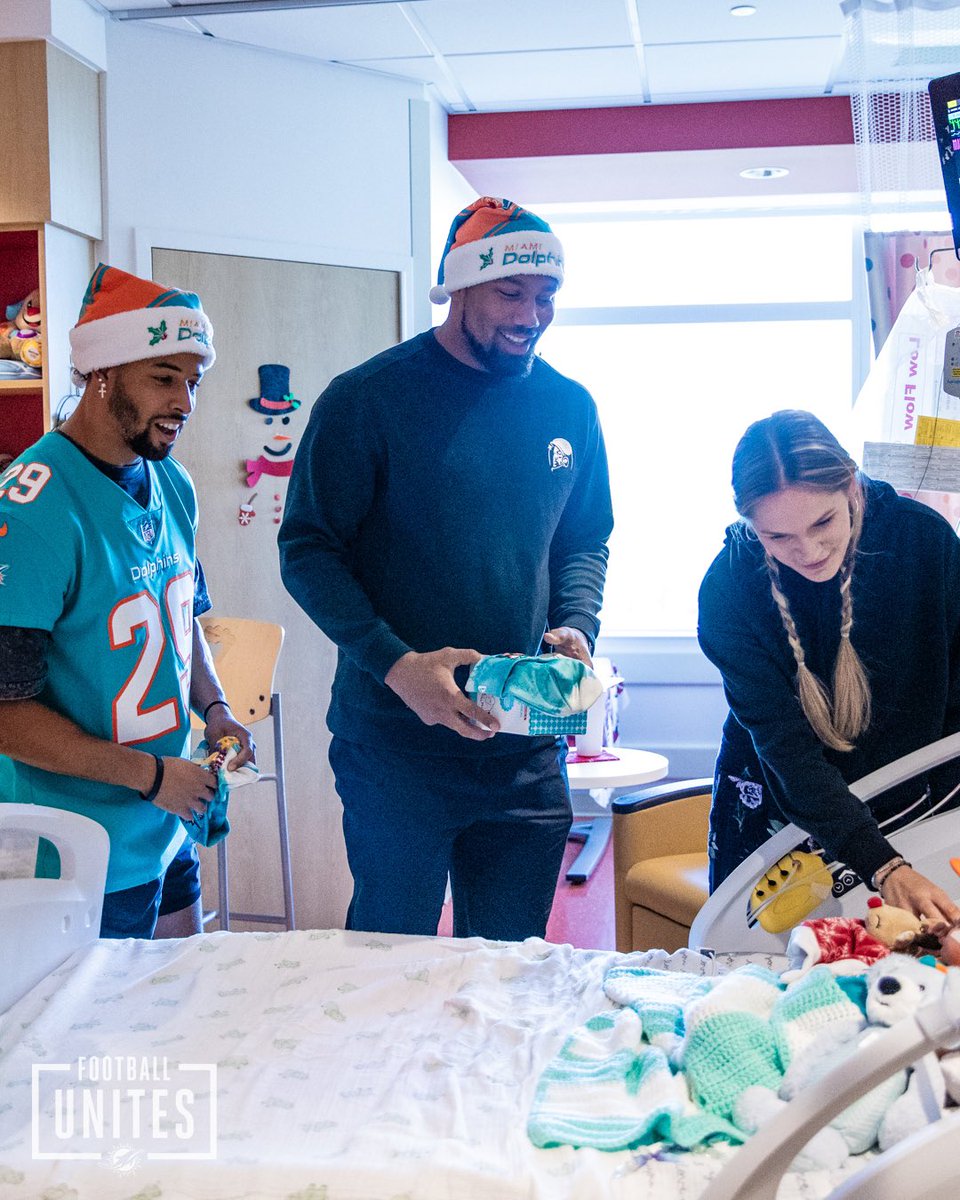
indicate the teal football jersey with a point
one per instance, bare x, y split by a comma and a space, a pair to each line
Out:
113, 583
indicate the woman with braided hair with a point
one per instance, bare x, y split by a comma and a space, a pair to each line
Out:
833, 615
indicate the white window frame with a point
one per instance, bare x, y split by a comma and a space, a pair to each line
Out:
684, 681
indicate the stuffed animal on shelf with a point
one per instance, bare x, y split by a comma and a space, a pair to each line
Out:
28, 314
6, 347
21, 335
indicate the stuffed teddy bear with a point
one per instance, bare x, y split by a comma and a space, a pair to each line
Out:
899, 929
847, 944
897, 986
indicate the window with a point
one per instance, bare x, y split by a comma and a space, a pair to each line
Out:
685, 331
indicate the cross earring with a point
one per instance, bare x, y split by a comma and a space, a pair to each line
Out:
103, 387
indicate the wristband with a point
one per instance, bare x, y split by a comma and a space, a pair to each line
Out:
884, 870
157, 782
881, 876
211, 704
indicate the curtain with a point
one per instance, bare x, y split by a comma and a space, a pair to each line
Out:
892, 261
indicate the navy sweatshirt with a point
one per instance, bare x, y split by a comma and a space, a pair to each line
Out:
906, 630
436, 505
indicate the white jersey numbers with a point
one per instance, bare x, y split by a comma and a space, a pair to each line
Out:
178, 598
132, 721
23, 482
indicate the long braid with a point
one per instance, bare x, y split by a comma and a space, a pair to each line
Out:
812, 693
852, 701
839, 719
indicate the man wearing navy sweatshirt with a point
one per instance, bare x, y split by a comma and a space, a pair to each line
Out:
450, 499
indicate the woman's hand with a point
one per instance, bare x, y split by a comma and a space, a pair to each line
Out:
907, 888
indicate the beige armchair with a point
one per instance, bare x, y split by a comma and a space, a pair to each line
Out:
660, 863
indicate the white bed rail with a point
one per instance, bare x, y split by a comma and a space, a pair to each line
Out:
43, 921
721, 924
755, 1171
923, 1167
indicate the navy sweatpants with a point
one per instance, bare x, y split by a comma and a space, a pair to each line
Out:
497, 824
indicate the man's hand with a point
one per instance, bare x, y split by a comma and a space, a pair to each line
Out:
570, 642
186, 788
425, 683
222, 723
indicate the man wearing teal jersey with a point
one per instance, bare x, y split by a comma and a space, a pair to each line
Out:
101, 659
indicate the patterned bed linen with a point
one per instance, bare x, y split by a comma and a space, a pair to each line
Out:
350, 1066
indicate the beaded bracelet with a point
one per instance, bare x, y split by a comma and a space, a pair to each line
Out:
881, 876
211, 704
157, 782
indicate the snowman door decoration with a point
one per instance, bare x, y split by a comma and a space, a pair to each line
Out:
275, 404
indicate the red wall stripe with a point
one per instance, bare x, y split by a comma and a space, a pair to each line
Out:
812, 121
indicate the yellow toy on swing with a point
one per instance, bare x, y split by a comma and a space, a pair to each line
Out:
789, 891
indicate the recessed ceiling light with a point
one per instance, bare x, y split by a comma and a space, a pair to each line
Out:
764, 172
743, 10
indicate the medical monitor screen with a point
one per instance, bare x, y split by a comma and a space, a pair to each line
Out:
945, 106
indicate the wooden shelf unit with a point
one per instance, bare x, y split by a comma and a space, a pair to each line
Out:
59, 262
24, 403
50, 217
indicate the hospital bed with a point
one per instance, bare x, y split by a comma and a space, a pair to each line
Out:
353, 1066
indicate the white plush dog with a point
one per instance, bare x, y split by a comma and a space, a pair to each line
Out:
896, 987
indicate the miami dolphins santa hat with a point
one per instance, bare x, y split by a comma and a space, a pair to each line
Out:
125, 319
491, 239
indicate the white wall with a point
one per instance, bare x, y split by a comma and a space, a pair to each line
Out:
674, 700
222, 141
449, 193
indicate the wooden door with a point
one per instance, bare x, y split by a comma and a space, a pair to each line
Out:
316, 320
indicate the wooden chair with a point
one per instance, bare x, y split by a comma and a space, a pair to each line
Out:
245, 654
660, 863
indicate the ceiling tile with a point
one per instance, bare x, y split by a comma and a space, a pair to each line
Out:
710, 20
459, 27
738, 70
415, 67
552, 76
335, 34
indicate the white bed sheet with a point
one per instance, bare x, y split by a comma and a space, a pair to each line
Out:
350, 1067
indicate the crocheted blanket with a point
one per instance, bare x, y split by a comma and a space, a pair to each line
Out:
669, 1061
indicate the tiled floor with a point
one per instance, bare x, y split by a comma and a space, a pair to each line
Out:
582, 912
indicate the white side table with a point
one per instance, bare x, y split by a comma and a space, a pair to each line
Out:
601, 778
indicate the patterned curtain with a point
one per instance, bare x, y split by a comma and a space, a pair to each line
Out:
892, 260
